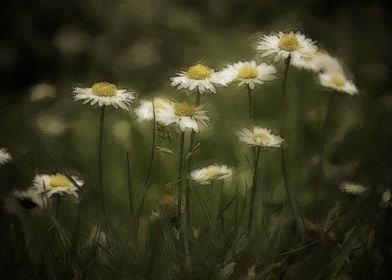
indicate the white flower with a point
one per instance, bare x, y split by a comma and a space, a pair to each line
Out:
337, 81
198, 77
104, 94
352, 188
186, 115
56, 184
248, 73
145, 110
259, 136
283, 45
211, 173
320, 61
5, 156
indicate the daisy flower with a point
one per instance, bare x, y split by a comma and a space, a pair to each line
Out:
5, 156
104, 94
249, 73
145, 110
337, 81
187, 116
211, 173
56, 184
283, 45
261, 137
316, 62
352, 188
198, 77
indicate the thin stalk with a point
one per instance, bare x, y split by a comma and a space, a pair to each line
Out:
152, 154
323, 137
180, 163
253, 188
236, 208
100, 150
58, 202
292, 200
148, 181
130, 196
189, 166
250, 104
183, 207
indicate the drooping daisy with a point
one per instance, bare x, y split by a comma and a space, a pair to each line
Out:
145, 110
56, 184
211, 173
248, 73
338, 81
352, 188
198, 77
186, 115
259, 136
104, 94
283, 45
5, 156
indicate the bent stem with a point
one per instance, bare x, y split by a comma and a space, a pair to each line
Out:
291, 198
182, 206
100, 150
255, 178
323, 138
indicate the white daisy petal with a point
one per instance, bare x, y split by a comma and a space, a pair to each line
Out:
261, 137
104, 94
211, 173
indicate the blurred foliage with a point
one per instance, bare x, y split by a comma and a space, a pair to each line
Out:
48, 47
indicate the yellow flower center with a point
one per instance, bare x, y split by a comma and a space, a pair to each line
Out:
338, 80
261, 137
247, 72
184, 109
288, 42
211, 172
104, 89
59, 180
199, 72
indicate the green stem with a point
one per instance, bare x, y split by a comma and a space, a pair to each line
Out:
291, 198
100, 150
130, 196
250, 104
148, 181
323, 138
183, 207
253, 188
149, 173
189, 166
